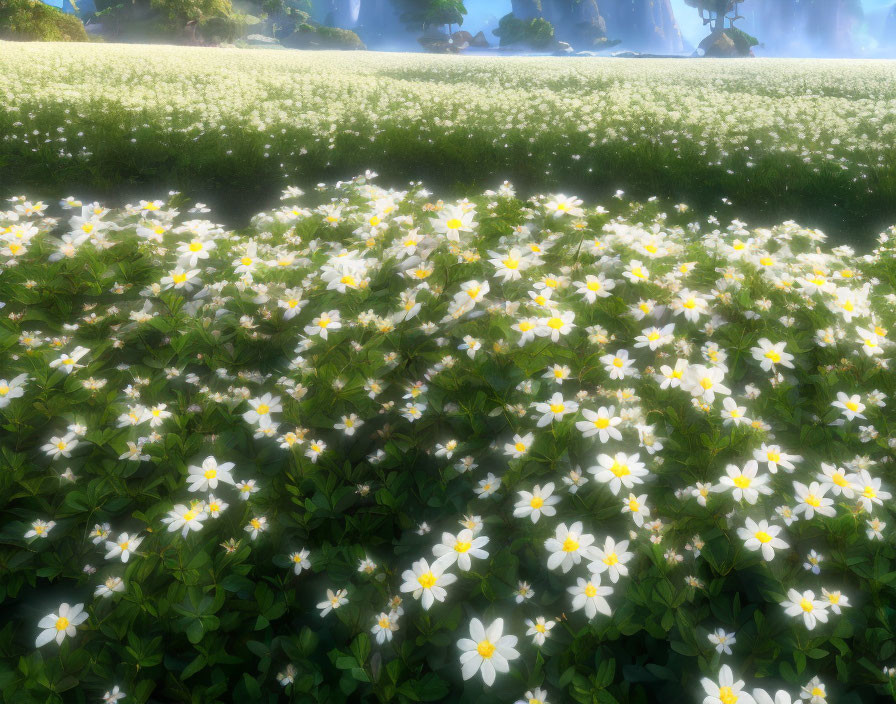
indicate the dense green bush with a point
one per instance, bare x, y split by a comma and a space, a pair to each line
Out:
32, 20
316, 36
373, 378
537, 32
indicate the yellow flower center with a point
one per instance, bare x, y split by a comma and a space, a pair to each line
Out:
195, 246
852, 405
706, 383
519, 447
511, 263
453, 223
773, 356
61, 623
813, 500
462, 546
633, 505
427, 580
178, 278
190, 515
619, 469
255, 523
556, 407
211, 473
525, 326
611, 559
263, 409
590, 590
536, 502
762, 536
806, 605
727, 695
485, 648
570, 544
555, 323
383, 623
602, 423
742, 482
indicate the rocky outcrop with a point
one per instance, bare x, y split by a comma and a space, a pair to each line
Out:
479, 41
578, 22
343, 13
647, 25
729, 43
378, 23
888, 38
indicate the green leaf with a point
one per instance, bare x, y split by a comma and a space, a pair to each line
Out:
195, 666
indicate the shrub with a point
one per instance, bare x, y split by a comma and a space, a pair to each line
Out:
31, 20
537, 32
625, 442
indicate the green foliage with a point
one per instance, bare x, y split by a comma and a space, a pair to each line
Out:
537, 32
306, 35
218, 614
32, 20
742, 40
420, 14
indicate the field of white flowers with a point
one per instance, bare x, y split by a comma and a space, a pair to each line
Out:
811, 140
383, 447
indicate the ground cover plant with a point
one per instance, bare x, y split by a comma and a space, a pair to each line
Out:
384, 447
781, 139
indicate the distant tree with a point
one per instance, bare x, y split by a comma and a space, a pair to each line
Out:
715, 12
31, 20
422, 14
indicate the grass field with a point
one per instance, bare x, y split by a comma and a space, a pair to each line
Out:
814, 141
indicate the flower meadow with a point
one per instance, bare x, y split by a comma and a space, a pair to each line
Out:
380, 446
782, 139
